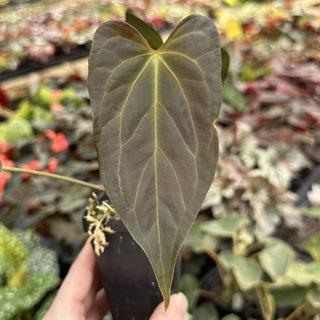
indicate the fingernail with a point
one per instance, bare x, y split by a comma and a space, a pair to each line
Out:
180, 302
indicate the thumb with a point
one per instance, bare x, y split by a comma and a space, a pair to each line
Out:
176, 310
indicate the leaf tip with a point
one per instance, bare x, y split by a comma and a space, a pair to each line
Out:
166, 303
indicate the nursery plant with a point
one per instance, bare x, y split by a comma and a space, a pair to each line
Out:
255, 278
154, 109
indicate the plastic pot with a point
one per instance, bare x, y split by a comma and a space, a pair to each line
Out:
127, 277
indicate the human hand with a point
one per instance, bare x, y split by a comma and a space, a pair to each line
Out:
81, 296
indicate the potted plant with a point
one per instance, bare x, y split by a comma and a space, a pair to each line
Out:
154, 109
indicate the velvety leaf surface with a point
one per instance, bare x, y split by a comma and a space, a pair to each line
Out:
145, 29
153, 114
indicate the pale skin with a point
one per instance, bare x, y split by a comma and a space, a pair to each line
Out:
81, 296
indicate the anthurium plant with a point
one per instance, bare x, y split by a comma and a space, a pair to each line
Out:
154, 109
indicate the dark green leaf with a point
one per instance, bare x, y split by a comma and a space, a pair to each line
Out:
232, 96
145, 29
225, 59
188, 286
206, 311
153, 114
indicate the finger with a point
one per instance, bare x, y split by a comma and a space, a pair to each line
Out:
96, 285
99, 308
82, 267
176, 310
79, 282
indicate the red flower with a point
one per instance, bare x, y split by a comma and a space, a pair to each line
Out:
59, 141
52, 165
33, 165
6, 162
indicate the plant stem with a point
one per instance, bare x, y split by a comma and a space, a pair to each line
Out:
215, 257
296, 312
54, 176
266, 309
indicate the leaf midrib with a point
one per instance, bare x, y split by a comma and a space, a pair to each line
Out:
156, 146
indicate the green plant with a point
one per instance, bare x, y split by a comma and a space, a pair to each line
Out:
154, 111
28, 273
267, 272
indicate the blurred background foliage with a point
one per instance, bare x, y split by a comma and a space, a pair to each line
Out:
268, 173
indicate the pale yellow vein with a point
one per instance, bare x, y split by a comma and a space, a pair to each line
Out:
174, 172
177, 129
156, 77
193, 61
120, 120
186, 100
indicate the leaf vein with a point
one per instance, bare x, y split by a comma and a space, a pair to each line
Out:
156, 99
182, 35
195, 61
175, 174
120, 126
177, 129
186, 101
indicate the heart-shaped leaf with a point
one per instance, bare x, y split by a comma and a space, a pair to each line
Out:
247, 272
275, 257
151, 35
153, 122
